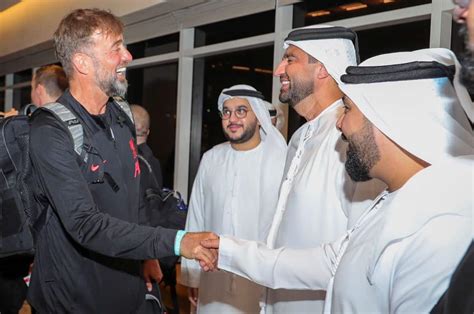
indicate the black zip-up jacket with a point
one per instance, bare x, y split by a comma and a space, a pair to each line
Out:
89, 251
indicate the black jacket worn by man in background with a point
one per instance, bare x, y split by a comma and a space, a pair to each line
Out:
89, 251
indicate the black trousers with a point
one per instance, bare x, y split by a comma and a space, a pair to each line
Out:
12, 287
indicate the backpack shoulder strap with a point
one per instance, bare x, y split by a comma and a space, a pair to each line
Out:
73, 124
123, 104
150, 169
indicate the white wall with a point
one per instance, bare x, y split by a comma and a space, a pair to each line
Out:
32, 22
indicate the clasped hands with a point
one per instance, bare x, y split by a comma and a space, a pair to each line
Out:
203, 247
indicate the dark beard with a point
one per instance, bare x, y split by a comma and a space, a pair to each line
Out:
467, 61
246, 135
362, 156
296, 93
355, 167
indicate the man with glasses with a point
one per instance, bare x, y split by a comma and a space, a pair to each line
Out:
235, 192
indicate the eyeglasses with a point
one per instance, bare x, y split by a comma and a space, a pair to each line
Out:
240, 113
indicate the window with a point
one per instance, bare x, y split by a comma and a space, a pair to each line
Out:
155, 88
21, 96
403, 37
311, 12
247, 26
22, 76
154, 46
2, 100
211, 75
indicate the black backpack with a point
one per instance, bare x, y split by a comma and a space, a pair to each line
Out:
165, 207
21, 214
19, 210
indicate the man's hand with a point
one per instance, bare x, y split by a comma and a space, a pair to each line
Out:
191, 248
211, 243
151, 271
11, 112
193, 294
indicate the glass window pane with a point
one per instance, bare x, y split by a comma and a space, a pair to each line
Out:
403, 37
22, 76
154, 46
211, 75
2, 81
311, 12
241, 27
155, 88
2, 100
21, 97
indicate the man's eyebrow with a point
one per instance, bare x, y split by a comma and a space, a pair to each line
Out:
118, 42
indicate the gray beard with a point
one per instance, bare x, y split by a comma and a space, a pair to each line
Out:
113, 87
109, 84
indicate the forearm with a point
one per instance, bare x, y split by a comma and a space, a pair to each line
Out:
304, 269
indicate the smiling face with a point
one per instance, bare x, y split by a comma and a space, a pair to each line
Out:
296, 76
110, 58
239, 130
363, 152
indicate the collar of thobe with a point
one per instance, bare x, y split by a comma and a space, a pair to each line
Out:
335, 47
425, 197
328, 115
427, 118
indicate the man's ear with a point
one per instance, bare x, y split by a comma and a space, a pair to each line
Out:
322, 73
40, 91
81, 63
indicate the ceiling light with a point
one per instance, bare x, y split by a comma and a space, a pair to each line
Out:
319, 13
353, 6
259, 70
240, 68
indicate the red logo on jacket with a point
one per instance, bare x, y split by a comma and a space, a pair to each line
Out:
133, 148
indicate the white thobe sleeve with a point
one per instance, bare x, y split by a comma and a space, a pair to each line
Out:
298, 269
424, 268
190, 269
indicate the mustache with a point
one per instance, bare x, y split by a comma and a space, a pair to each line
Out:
233, 124
344, 138
284, 77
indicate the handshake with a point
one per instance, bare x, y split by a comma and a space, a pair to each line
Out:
203, 247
